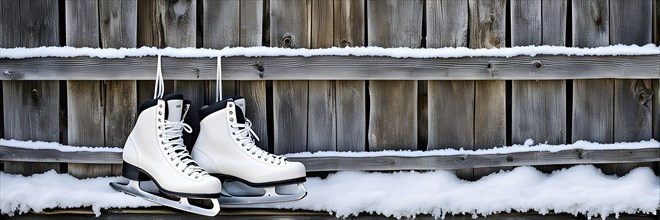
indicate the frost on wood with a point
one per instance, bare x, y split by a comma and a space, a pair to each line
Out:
40, 145
615, 50
578, 190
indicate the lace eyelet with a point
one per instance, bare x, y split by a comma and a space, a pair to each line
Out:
253, 153
162, 143
237, 139
231, 119
159, 120
160, 113
279, 163
230, 112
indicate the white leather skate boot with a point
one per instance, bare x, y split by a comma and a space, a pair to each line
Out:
155, 151
226, 148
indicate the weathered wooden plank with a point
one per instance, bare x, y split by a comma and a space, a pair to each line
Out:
349, 23
630, 23
593, 100
221, 23
656, 109
393, 104
450, 103
553, 15
487, 23
316, 164
321, 117
194, 91
118, 23
322, 24
82, 23
526, 22
487, 30
167, 23
349, 28
251, 21
289, 116
336, 68
446, 23
351, 115
31, 112
254, 91
289, 27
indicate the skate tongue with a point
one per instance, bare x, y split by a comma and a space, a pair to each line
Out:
174, 108
240, 115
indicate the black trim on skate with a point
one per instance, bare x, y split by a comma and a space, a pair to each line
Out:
135, 173
153, 102
213, 108
265, 184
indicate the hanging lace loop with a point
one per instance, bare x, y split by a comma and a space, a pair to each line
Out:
176, 149
218, 80
245, 136
159, 87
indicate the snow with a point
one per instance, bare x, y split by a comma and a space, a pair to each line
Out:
528, 146
614, 50
40, 145
52, 190
581, 189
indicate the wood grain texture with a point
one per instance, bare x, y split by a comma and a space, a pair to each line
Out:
118, 23
221, 23
526, 22
289, 24
30, 108
593, 110
351, 115
539, 111
31, 112
322, 24
630, 23
290, 116
336, 68
383, 163
82, 23
251, 22
590, 23
393, 104
349, 23
321, 117
446, 23
256, 108
167, 23
656, 109
553, 25
490, 115
487, 23
451, 114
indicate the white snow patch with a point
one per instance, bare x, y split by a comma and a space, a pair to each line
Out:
40, 145
20, 194
614, 50
582, 189
528, 146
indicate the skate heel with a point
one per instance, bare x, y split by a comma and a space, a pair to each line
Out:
133, 173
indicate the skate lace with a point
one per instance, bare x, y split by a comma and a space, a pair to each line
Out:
176, 149
246, 136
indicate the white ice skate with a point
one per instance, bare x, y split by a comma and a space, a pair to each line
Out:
226, 149
155, 151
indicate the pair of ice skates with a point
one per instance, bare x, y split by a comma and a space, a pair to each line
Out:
225, 162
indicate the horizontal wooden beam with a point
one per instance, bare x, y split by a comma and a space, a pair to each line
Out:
542, 67
314, 164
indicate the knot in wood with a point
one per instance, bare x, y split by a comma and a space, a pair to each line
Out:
345, 43
537, 64
35, 95
286, 41
8, 74
509, 158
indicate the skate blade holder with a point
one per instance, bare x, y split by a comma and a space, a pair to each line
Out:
133, 189
267, 200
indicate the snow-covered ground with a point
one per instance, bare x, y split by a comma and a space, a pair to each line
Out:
581, 189
615, 50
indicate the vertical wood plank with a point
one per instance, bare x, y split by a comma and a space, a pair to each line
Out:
447, 26
118, 27
593, 100
393, 104
349, 29
289, 28
656, 110
167, 23
31, 112
321, 129
85, 101
348, 23
554, 26
526, 22
254, 91
487, 30
221, 23
631, 23
289, 110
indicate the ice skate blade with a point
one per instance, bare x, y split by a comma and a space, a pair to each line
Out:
271, 196
133, 188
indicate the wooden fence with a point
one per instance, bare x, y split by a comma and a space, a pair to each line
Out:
314, 105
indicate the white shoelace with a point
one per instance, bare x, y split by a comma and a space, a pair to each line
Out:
176, 149
246, 138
